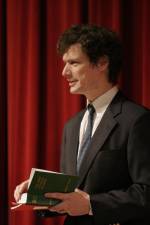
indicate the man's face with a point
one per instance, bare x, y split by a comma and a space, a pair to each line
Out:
83, 77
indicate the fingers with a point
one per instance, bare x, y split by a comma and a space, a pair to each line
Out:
55, 209
74, 203
17, 193
62, 206
20, 189
59, 208
40, 208
60, 196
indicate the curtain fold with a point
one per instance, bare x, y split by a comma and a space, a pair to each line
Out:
3, 118
35, 101
106, 13
136, 34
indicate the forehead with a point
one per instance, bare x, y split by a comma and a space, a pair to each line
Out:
74, 52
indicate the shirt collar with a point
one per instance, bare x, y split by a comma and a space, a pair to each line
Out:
104, 100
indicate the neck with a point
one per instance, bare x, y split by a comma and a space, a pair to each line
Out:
92, 95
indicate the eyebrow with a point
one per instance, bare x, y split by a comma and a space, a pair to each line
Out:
71, 60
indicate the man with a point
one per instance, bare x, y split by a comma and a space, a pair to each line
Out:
113, 160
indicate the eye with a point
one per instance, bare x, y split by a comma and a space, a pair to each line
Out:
74, 63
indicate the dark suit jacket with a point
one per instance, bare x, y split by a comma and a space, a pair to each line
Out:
116, 168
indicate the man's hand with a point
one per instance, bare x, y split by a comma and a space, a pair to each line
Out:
21, 188
75, 204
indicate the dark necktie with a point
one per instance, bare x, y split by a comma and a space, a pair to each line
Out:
86, 137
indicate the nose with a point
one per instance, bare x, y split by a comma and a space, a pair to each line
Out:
66, 71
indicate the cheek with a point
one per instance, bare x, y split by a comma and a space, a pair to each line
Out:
83, 76
83, 80
79, 74
93, 78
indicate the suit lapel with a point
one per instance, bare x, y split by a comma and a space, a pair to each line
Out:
107, 124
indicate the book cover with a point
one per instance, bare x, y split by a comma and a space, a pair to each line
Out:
44, 181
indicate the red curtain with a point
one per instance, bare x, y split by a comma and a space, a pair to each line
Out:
3, 120
34, 98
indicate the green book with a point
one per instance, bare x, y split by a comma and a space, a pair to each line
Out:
44, 181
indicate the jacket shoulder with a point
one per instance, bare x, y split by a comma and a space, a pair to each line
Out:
127, 108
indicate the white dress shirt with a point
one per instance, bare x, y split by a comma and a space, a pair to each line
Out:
100, 104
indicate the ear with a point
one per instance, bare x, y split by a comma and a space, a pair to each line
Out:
103, 63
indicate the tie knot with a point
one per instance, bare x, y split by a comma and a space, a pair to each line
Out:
91, 109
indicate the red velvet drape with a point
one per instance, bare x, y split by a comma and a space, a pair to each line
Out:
35, 100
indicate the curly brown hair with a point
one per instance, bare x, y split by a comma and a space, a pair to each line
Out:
95, 42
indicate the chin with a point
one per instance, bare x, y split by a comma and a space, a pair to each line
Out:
75, 91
